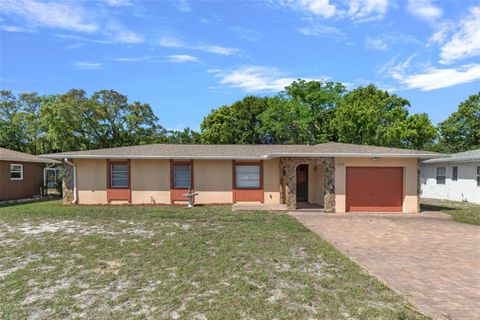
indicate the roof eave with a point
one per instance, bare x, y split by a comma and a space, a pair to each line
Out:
67, 156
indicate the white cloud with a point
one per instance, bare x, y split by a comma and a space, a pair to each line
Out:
118, 3
378, 44
49, 14
10, 28
184, 6
88, 65
169, 42
125, 36
441, 34
181, 58
385, 41
223, 51
424, 9
255, 78
464, 43
429, 78
319, 30
367, 10
436, 78
358, 10
133, 59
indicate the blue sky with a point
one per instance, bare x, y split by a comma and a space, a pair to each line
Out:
185, 58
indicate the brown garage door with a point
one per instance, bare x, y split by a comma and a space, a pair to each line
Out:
374, 189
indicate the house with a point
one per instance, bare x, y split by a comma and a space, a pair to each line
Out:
338, 177
453, 178
21, 175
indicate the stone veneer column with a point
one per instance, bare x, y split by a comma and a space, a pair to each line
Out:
329, 184
67, 183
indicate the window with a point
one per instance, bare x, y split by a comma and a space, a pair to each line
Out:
454, 173
247, 176
119, 175
182, 176
16, 171
478, 176
441, 175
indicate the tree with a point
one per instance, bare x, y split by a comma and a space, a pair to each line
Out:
12, 128
105, 120
286, 121
236, 123
372, 116
186, 136
461, 131
322, 99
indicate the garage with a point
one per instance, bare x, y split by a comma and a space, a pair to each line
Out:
374, 189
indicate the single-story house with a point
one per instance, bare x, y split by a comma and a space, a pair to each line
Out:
21, 175
456, 177
339, 177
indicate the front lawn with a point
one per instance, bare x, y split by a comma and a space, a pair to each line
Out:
60, 262
460, 211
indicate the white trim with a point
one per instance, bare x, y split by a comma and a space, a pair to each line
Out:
21, 171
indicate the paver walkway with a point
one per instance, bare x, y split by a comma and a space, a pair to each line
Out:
429, 258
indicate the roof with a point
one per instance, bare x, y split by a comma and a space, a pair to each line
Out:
241, 151
467, 156
11, 155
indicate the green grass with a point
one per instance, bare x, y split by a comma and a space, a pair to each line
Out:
105, 262
460, 211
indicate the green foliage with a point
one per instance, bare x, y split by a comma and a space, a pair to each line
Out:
74, 121
237, 123
321, 98
371, 116
461, 131
307, 112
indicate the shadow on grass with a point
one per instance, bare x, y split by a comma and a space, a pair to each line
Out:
433, 207
19, 203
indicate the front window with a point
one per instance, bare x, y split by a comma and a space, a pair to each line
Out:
247, 176
16, 171
119, 175
454, 173
182, 176
441, 175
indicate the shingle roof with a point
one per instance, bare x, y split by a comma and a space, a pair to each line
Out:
467, 156
10, 155
239, 151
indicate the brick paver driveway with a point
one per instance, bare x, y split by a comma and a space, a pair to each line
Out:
432, 260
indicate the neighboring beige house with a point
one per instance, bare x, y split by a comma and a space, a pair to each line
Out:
338, 177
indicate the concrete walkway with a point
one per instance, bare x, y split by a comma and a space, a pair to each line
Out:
427, 257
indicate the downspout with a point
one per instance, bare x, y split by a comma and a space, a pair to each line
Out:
74, 201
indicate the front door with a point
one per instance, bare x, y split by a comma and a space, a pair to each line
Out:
302, 183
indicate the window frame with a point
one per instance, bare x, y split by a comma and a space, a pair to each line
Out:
444, 175
172, 174
110, 175
235, 180
455, 173
21, 171
478, 176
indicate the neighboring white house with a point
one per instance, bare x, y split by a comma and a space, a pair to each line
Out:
454, 178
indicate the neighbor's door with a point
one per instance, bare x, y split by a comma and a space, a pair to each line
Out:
302, 183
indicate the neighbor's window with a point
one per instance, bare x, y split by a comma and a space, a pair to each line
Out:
16, 171
182, 176
478, 176
247, 176
119, 175
441, 175
454, 173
